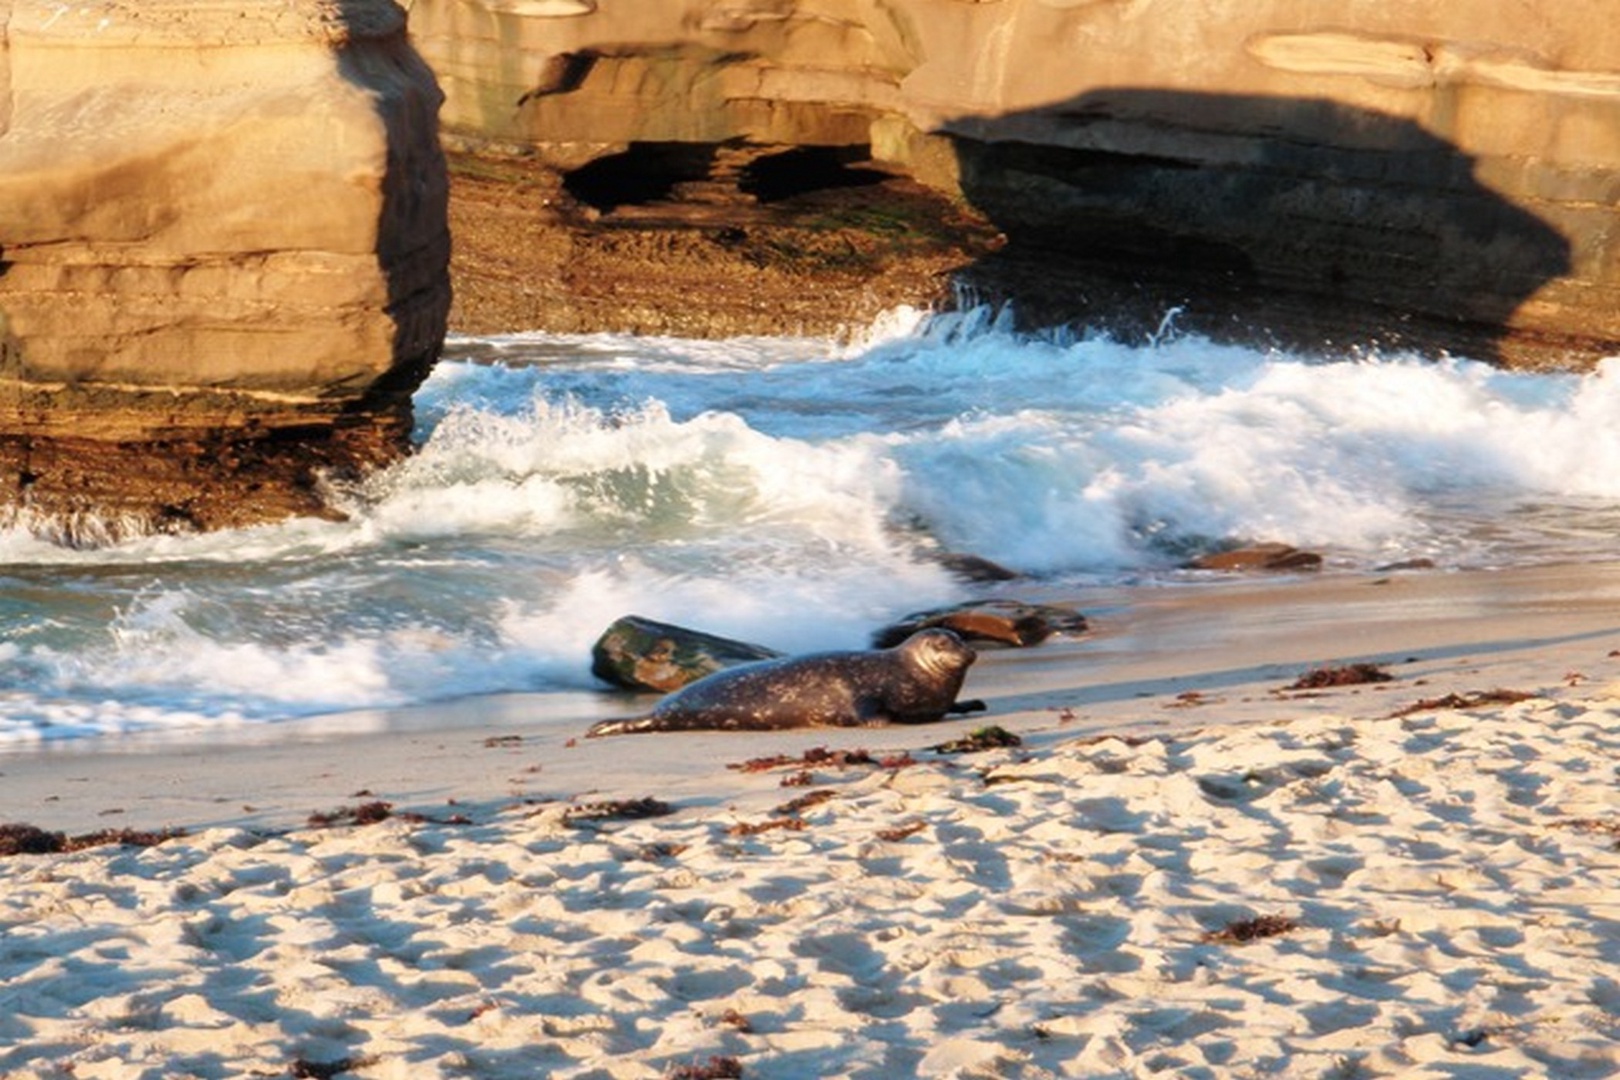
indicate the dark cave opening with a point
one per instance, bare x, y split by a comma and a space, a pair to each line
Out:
653, 172
647, 172
804, 169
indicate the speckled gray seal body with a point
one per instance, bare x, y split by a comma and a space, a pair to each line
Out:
916, 682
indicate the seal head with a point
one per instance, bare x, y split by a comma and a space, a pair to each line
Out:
916, 682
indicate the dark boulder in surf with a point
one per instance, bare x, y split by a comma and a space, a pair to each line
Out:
649, 656
1003, 622
1267, 556
975, 569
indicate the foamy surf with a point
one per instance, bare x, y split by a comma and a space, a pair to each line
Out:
787, 491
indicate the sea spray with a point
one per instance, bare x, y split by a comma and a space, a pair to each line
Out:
791, 492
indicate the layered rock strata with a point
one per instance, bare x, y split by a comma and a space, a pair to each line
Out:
223, 255
1440, 172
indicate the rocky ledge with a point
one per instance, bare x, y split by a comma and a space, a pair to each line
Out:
541, 248
223, 256
1440, 173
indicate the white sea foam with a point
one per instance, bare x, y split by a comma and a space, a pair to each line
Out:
781, 491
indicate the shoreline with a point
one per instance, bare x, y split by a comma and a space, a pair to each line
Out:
1157, 659
1184, 869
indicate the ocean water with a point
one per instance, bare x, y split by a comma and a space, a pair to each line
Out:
790, 492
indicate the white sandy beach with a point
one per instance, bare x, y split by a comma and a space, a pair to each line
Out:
1448, 879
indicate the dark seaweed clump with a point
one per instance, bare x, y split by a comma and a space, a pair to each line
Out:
326, 1070
815, 756
1348, 675
716, 1068
23, 839
1475, 700
364, 814
618, 809
991, 737
1243, 931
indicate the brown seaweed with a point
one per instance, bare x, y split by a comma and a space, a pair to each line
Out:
1323, 678
24, 839
325, 1070
744, 828
815, 756
1476, 700
716, 1068
618, 809
737, 1021
991, 737
1603, 826
1243, 931
369, 813
805, 801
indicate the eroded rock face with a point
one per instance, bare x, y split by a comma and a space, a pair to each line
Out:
223, 254
1436, 171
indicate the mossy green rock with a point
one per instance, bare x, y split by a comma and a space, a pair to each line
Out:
642, 654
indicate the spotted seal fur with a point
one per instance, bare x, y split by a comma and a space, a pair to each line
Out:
915, 682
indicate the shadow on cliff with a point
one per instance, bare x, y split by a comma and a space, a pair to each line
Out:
413, 232
10, 347
1302, 221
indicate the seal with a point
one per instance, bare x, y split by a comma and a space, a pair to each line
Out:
915, 682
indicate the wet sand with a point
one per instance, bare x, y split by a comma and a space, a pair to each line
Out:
1444, 879
1157, 658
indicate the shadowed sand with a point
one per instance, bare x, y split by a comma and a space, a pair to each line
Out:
1447, 878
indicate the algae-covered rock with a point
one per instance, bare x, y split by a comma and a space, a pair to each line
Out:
643, 654
1007, 622
1267, 557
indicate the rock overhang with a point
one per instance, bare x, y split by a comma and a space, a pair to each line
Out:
1350, 112
224, 248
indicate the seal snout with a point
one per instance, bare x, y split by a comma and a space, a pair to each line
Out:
938, 651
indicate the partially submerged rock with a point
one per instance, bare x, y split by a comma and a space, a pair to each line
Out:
1268, 556
975, 569
1006, 622
645, 655
223, 256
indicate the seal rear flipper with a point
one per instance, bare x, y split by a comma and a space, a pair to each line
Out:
631, 725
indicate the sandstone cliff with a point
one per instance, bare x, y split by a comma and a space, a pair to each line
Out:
1440, 171
223, 254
